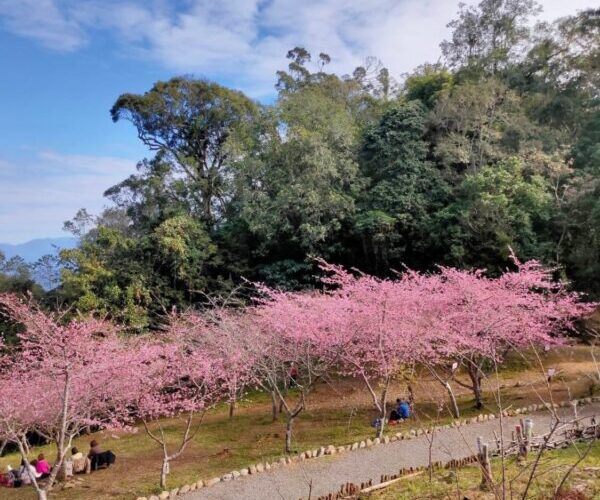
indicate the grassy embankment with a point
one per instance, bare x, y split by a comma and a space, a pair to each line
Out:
582, 483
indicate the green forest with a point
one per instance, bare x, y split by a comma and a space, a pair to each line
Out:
494, 147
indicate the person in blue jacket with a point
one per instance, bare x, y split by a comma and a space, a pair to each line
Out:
403, 410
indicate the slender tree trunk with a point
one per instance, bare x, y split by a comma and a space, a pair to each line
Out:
64, 441
411, 397
285, 392
40, 492
475, 376
446, 383
291, 417
288, 434
382, 414
455, 410
231, 408
383, 408
58, 466
382, 422
274, 406
164, 472
167, 457
379, 402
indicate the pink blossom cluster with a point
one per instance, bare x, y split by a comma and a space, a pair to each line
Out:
377, 328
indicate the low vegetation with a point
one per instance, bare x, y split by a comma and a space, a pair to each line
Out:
583, 484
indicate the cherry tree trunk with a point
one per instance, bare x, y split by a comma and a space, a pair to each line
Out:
40, 492
164, 471
288, 434
231, 408
381, 423
383, 408
475, 376
455, 410
285, 391
411, 397
274, 406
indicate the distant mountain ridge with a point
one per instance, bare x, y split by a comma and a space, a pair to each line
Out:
32, 250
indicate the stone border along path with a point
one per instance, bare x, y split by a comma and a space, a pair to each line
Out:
290, 478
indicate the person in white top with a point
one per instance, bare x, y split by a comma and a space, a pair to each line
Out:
81, 463
27, 473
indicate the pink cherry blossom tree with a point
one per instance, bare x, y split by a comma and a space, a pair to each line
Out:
219, 332
375, 329
292, 347
59, 379
376, 325
480, 319
23, 406
178, 379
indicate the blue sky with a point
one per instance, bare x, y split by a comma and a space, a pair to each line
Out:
64, 62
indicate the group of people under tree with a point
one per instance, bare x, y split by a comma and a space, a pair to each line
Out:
401, 412
40, 468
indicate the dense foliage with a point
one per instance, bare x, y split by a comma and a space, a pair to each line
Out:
495, 147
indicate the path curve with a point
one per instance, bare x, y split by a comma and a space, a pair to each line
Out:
328, 473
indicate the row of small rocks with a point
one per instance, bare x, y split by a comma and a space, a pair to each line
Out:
367, 443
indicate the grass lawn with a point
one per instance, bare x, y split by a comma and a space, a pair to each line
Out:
337, 414
463, 483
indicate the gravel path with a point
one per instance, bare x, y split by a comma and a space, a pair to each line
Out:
328, 473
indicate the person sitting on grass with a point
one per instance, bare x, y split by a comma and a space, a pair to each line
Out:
395, 414
6, 480
76, 454
28, 472
42, 467
81, 463
404, 410
99, 458
94, 449
12, 478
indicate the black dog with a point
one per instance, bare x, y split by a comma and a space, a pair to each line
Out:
104, 459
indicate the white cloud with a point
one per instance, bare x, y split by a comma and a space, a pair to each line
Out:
245, 41
47, 21
40, 192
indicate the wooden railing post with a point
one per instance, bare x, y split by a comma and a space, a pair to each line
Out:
483, 456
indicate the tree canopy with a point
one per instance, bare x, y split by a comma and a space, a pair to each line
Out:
493, 147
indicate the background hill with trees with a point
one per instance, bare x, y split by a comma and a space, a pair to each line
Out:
495, 146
